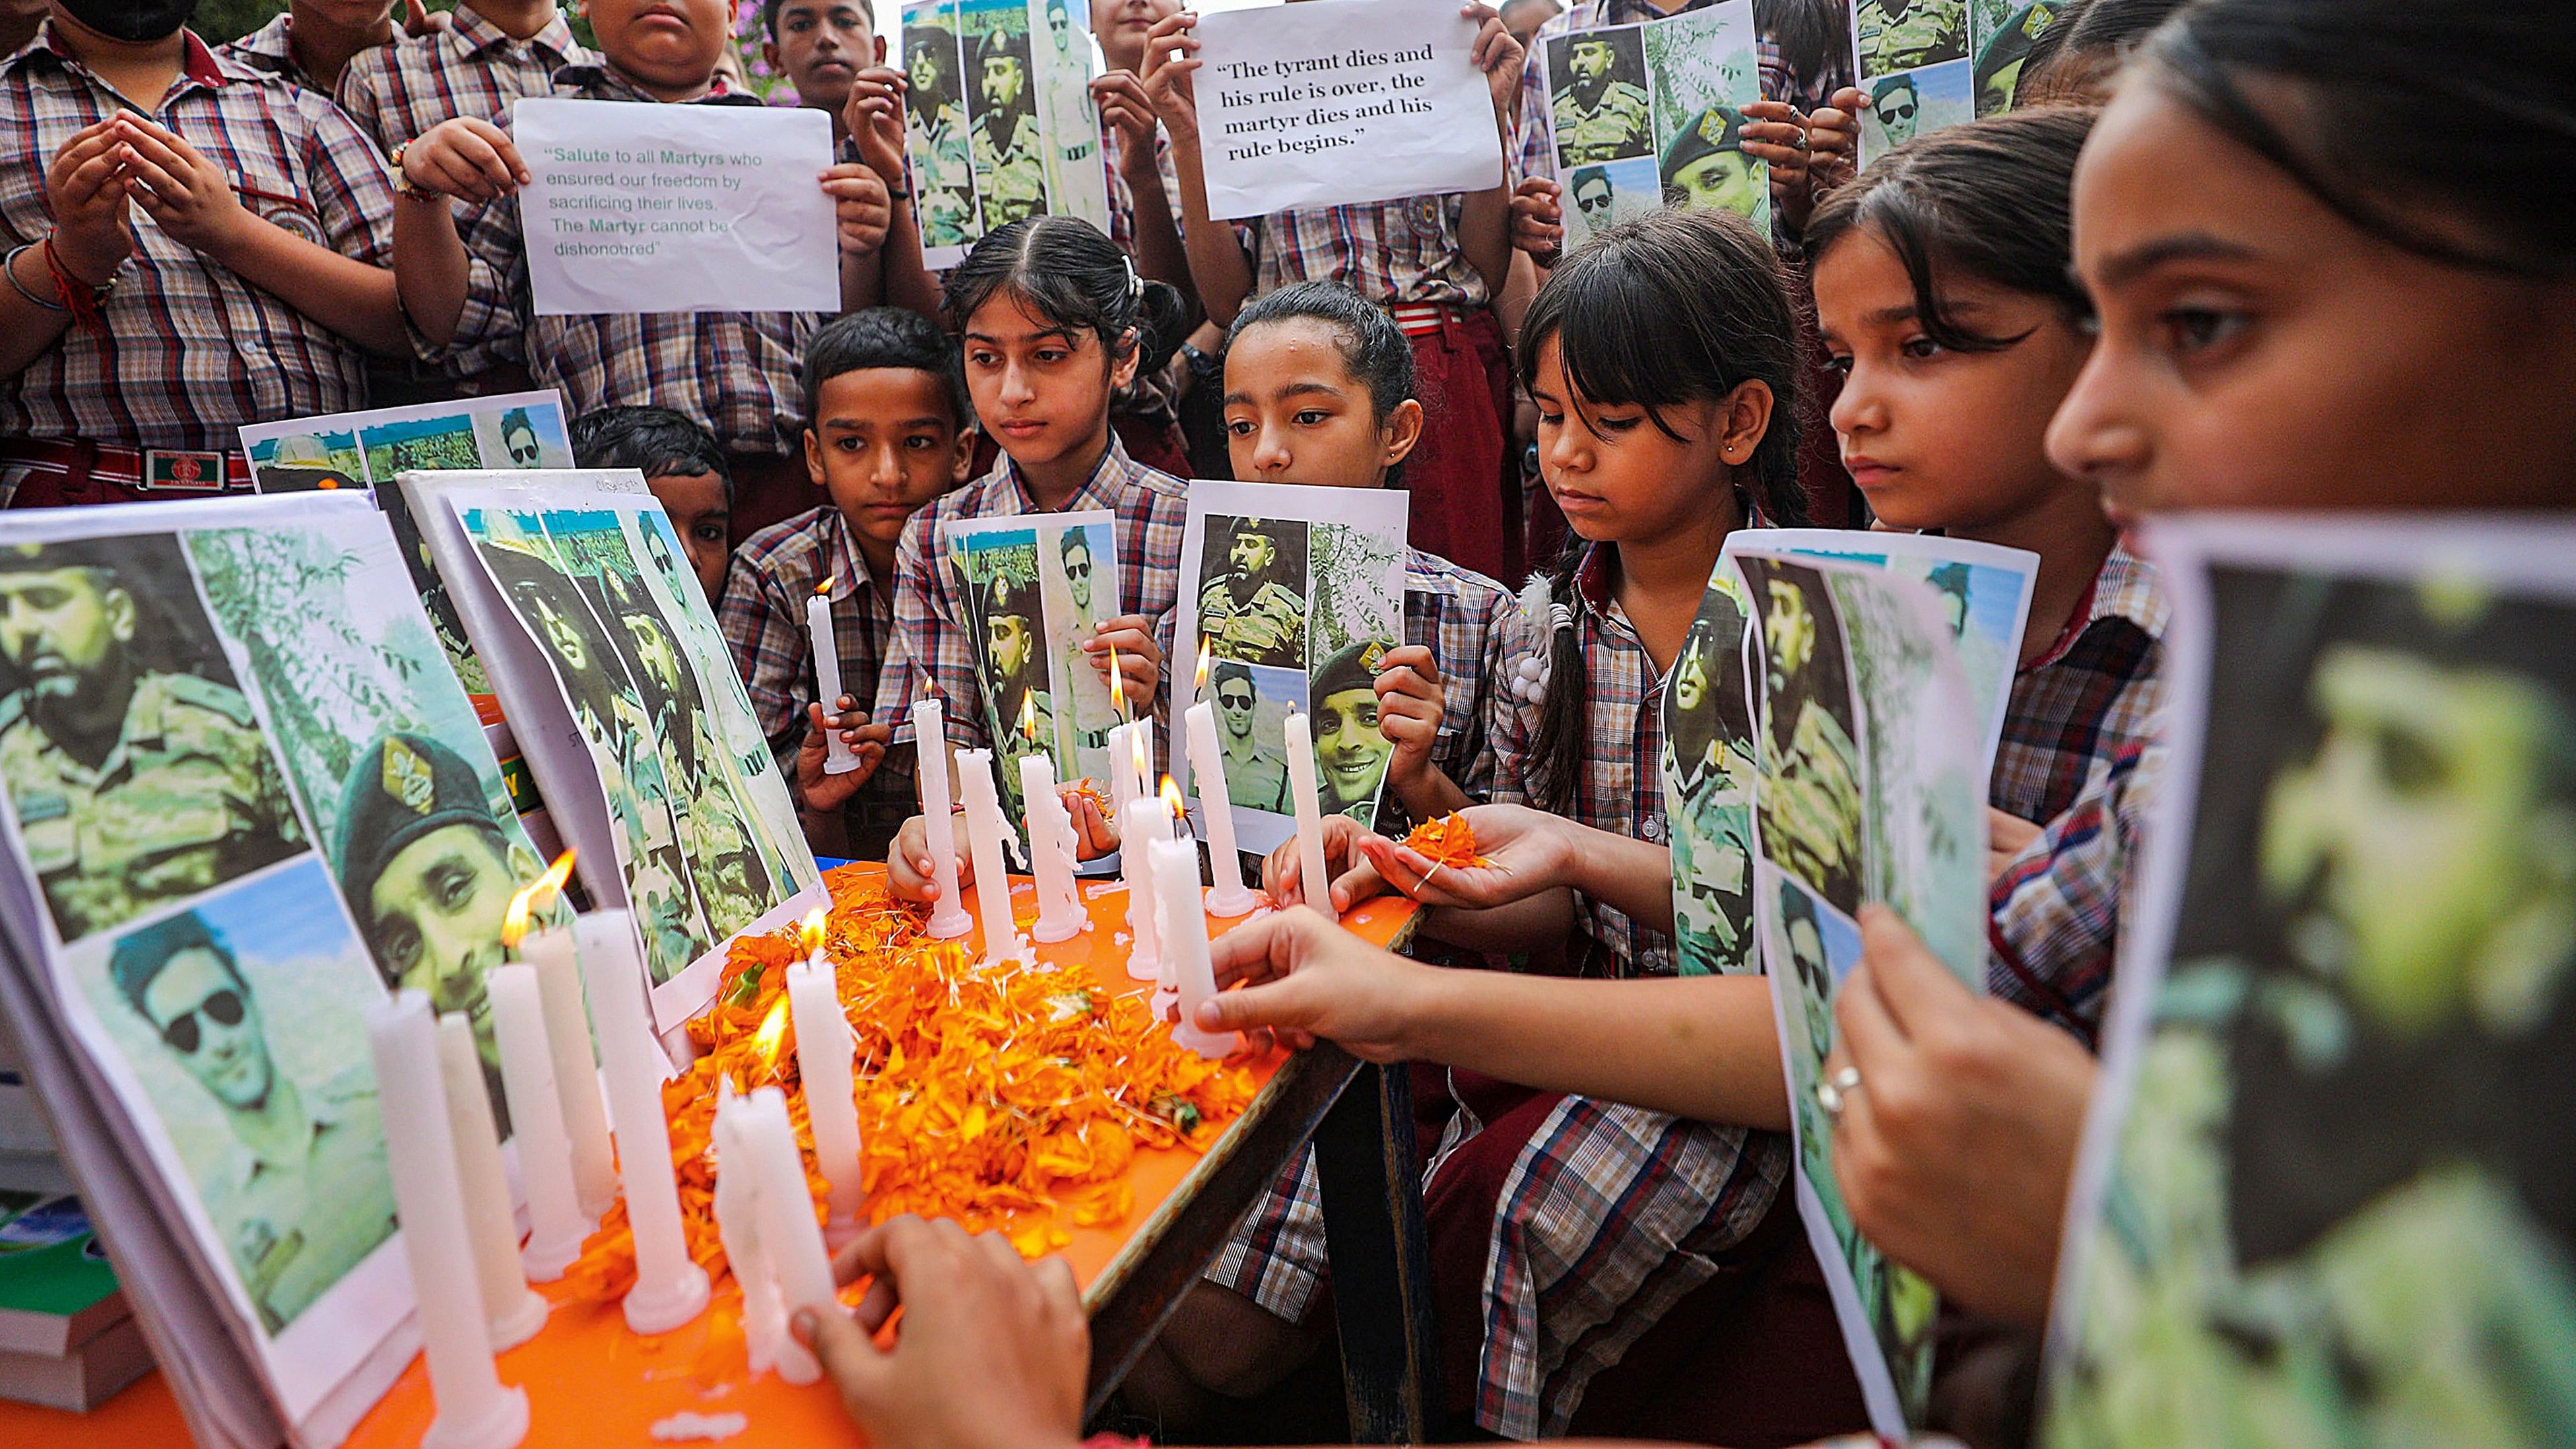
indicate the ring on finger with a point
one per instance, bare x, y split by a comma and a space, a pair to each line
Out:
1835, 1092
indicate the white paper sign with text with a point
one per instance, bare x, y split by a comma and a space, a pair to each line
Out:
1334, 102
652, 208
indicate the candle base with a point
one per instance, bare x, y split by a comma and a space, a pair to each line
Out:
519, 1324
666, 1306
947, 923
1213, 1045
1164, 1002
837, 759
547, 1258
1141, 966
1225, 903
503, 1426
796, 1363
1065, 928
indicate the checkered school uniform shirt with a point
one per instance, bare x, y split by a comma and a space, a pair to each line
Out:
763, 616
1152, 509
1390, 252
473, 68
268, 50
732, 372
1478, 637
2053, 928
1534, 129
2092, 695
191, 351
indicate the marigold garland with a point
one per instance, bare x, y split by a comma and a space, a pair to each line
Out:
1012, 1100
1448, 841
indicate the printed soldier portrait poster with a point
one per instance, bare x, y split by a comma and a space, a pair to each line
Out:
1868, 787
1294, 595
999, 123
1035, 588
2325, 1173
1925, 64
704, 832
1652, 115
248, 802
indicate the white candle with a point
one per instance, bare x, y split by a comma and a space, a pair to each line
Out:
1207, 770
827, 678
764, 1313
513, 1311
474, 1410
788, 1235
984, 830
1313, 882
1137, 825
585, 1118
1122, 785
1185, 942
1060, 913
669, 1289
948, 918
556, 1225
823, 1050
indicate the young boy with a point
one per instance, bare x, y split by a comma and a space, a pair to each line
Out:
129, 354
683, 466
465, 280
491, 53
890, 430
821, 46
312, 43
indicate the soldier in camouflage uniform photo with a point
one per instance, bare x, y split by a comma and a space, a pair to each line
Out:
1598, 102
134, 765
1253, 607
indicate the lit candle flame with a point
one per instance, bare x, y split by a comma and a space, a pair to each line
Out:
537, 899
1029, 716
1118, 684
824, 587
1144, 765
1201, 687
1172, 798
810, 935
772, 1035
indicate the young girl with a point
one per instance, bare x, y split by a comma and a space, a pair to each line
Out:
1592, 1260
1053, 320
1943, 297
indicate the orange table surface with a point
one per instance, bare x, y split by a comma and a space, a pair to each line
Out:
591, 1382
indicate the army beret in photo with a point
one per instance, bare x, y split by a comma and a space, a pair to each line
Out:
1713, 129
402, 788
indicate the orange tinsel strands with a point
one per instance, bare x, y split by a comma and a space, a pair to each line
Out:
1011, 1100
1448, 841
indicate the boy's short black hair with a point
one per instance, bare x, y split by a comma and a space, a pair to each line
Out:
655, 442
885, 337
769, 14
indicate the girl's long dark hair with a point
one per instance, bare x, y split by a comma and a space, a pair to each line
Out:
1077, 279
2366, 104
1988, 200
1673, 308
1372, 346
1813, 36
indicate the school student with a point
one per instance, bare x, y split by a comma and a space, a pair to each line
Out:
1436, 262
188, 249
2281, 319
682, 464
489, 54
889, 430
311, 43
1052, 320
821, 46
465, 277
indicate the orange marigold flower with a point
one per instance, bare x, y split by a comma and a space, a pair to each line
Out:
1449, 841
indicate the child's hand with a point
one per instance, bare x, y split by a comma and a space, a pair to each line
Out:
1409, 707
1125, 105
1498, 55
1306, 977
1171, 53
466, 158
1538, 218
1140, 659
1833, 139
908, 870
994, 1351
85, 182
1353, 878
861, 209
1775, 134
874, 116
1094, 833
173, 181
2006, 835
420, 20
822, 791
1526, 852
